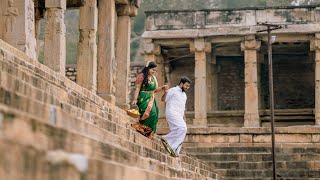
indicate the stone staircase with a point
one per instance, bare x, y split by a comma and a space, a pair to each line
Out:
51, 128
256, 162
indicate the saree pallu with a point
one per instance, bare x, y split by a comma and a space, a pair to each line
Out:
148, 109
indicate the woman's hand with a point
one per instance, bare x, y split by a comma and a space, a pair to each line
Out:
164, 87
134, 102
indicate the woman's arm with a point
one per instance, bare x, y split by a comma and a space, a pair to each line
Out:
163, 98
161, 88
138, 84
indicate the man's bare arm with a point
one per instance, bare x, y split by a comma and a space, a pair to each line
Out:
163, 98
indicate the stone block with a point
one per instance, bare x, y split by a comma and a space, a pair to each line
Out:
280, 138
56, 4
246, 138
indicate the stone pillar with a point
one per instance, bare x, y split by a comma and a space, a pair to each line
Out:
106, 58
55, 36
315, 46
200, 48
212, 82
87, 47
17, 25
251, 110
39, 7
124, 12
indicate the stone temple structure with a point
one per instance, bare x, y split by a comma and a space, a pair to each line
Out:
227, 60
54, 128
228, 105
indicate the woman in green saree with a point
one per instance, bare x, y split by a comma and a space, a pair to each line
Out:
146, 85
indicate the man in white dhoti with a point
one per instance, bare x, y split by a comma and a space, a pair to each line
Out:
175, 99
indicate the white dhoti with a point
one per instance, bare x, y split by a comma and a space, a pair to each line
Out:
175, 107
178, 132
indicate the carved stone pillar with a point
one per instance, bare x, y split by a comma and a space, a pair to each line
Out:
106, 58
124, 12
251, 111
55, 36
39, 14
87, 47
18, 25
200, 48
315, 46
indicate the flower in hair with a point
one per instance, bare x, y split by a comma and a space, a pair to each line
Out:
147, 65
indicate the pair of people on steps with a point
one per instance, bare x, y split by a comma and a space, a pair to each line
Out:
175, 98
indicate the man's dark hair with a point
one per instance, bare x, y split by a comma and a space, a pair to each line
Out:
184, 80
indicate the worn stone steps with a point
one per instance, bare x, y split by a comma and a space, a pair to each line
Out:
44, 110
263, 165
19, 129
258, 157
267, 173
37, 164
253, 150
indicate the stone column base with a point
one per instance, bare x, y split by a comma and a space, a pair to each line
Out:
251, 120
200, 122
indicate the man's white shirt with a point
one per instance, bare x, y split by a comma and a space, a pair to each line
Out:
175, 102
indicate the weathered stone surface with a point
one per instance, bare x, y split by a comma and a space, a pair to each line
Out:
87, 47
107, 64
123, 61
39, 105
17, 26
55, 38
230, 21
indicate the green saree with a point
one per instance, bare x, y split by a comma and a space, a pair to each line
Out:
148, 108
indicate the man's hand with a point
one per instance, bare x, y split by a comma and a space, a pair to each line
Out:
164, 87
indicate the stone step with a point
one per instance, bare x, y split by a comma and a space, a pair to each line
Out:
292, 150
37, 164
27, 131
256, 157
267, 173
106, 120
315, 165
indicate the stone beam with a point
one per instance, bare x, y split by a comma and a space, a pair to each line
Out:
127, 10
76, 3
251, 111
172, 42
288, 37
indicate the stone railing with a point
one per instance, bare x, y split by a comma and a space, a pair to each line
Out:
243, 21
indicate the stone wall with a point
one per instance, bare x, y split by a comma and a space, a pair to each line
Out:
293, 82
230, 83
71, 72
